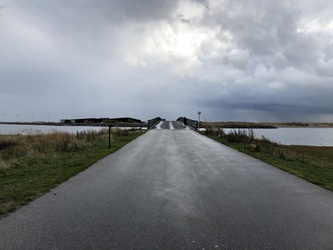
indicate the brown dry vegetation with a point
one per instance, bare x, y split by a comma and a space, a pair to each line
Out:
32, 164
314, 164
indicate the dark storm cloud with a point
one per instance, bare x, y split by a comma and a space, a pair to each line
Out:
267, 29
268, 38
232, 59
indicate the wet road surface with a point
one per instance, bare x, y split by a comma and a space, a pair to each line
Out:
175, 189
170, 125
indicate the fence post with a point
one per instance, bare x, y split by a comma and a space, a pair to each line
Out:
109, 136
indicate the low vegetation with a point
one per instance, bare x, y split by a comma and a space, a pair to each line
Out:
236, 125
314, 164
232, 124
302, 124
32, 164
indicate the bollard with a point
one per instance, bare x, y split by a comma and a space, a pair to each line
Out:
109, 136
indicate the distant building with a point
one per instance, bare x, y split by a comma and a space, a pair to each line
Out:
100, 120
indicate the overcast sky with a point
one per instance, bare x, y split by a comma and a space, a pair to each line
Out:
253, 60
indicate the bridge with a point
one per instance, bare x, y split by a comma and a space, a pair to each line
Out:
182, 122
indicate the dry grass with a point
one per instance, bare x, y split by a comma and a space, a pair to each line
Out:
310, 163
34, 146
32, 164
3, 165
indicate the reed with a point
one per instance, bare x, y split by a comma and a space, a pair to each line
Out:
314, 164
246, 139
32, 164
213, 129
34, 146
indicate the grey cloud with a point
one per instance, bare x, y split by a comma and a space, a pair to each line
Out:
261, 30
269, 30
240, 60
274, 109
325, 70
301, 97
328, 51
143, 10
301, 51
114, 11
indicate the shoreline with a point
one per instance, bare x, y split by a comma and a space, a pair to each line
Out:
301, 124
228, 124
266, 125
59, 124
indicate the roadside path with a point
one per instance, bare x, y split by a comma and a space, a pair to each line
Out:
175, 189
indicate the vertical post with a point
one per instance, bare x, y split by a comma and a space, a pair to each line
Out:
109, 136
199, 113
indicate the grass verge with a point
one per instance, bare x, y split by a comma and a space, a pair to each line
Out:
30, 165
314, 164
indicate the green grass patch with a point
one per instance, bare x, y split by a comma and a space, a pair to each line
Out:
314, 164
321, 153
30, 165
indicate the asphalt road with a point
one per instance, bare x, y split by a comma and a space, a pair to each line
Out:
175, 189
170, 125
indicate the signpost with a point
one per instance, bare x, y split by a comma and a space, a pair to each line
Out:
199, 113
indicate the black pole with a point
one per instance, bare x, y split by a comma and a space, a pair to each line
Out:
109, 136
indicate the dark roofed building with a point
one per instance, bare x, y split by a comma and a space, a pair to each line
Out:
100, 120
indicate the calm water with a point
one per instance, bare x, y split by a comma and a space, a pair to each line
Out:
287, 136
12, 129
7, 129
298, 136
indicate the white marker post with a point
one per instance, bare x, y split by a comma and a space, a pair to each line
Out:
199, 113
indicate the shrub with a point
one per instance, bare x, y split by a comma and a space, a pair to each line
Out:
212, 129
240, 136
